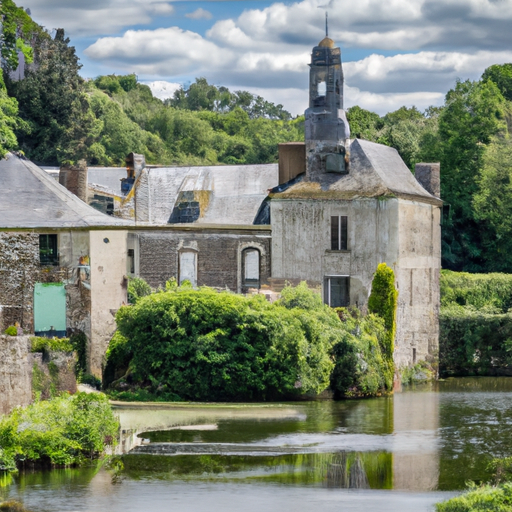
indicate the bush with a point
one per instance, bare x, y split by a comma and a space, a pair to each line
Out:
64, 430
203, 345
473, 342
11, 331
45, 345
484, 498
137, 288
362, 368
489, 292
383, 302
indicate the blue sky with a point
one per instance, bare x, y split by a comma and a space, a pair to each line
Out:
401, 52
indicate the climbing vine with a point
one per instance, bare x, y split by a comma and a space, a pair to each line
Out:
383, 302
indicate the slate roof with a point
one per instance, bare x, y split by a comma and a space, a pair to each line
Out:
374, 170
30, 198
227, 194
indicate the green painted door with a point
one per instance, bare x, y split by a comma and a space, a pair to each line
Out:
50, 309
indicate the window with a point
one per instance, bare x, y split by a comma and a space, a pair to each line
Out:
338, 233
48, 252
188, 267
337, 291
251, 268
131, 261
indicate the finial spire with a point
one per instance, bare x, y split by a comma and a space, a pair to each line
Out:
326, 25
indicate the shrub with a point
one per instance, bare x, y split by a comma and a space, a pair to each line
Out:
203, 345
11, 331
137, 288
475, 324
64, 430
484, 498
45, 345
383, 302
362, 368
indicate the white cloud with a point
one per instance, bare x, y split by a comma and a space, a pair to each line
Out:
96, 17
200, 14
162, 89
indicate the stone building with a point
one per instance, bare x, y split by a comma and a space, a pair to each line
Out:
62, 263
329, 213
359, 205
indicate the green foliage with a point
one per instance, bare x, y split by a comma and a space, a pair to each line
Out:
383, 302
59, 125
90, 380
201, 95
78, 340
11, 331
362, 368
137, 288
18, 29
64, 430
489, 293
501, 75
203, 345
475, 323
483, 498
363, 123
473, 342
9, 120
501, 470
45, 345
474, 113
492, 203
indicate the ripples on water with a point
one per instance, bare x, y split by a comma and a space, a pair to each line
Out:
403, 453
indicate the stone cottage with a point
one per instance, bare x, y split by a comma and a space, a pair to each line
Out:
63, 264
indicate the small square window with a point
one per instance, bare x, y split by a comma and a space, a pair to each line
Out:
48, 250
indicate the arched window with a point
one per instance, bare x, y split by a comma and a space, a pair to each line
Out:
188, 267
251, 268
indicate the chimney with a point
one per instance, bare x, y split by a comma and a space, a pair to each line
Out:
429, 177
292, 160
74, 178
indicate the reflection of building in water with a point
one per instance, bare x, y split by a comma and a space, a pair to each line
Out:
416, 468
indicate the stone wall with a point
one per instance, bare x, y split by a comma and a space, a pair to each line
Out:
19, 269
219, 255
15, 372
23, 373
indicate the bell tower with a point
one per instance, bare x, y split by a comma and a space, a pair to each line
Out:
327, 129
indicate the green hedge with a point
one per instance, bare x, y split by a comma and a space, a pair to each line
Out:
490, 292
475, 325
474, 343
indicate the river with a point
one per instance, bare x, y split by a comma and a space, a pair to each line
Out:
400, 453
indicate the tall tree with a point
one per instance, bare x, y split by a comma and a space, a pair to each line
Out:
474, 113
54, 104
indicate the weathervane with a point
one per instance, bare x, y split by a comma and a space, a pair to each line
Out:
326, 25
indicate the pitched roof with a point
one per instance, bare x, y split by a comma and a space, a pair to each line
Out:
33, 199
374, 170
229, 194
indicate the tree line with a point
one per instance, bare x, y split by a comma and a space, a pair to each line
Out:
54, 116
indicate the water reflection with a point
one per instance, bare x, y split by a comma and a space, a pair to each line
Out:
424, 440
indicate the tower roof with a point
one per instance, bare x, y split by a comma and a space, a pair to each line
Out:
326, 42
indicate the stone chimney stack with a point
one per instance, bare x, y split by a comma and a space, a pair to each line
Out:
74, 178
429, 177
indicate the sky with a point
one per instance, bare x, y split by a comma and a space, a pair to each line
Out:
399, 52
